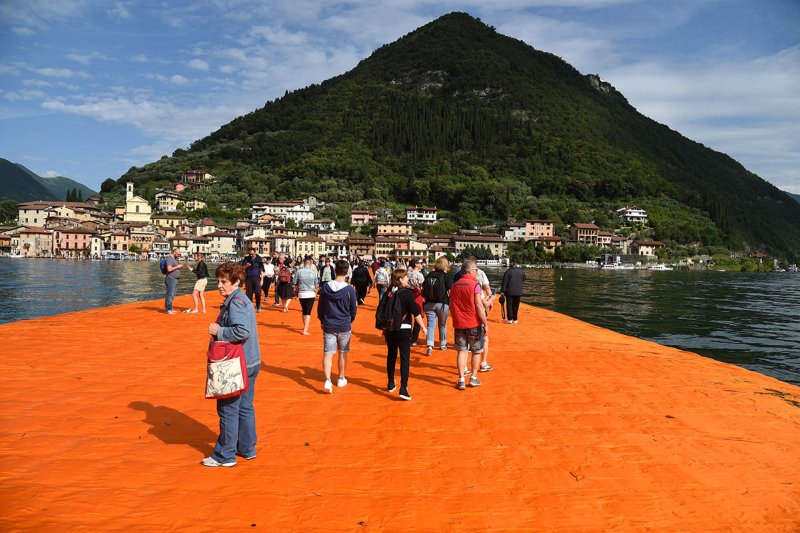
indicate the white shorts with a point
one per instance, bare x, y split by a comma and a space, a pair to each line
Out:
200, 284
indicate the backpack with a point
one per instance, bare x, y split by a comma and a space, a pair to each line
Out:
389, 315
285, 275
433, 289
381, 277
163, 265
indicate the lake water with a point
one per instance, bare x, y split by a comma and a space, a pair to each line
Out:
748, 319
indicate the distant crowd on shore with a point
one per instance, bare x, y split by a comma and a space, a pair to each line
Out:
406, 290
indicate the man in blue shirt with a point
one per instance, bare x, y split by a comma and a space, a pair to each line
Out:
253, 273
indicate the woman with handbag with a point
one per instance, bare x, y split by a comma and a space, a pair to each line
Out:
236, 324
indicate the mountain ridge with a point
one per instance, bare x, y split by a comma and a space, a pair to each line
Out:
23, 185
489, 129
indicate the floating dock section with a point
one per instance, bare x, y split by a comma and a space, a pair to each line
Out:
577, 428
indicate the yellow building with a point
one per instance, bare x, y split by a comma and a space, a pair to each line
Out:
137, 209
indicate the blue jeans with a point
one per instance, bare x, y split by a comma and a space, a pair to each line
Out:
237, 423
436, 311
172, 288
382, 290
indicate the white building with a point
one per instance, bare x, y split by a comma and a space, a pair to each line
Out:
421, 214
632, 215
220, 242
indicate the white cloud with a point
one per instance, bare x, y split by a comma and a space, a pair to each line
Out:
52, 72
177, 79
749, 110
24, 95
119, 11
39, 13
23, 31
86, 59
198, 64
51, 174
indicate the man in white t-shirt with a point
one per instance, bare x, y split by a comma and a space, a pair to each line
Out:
267, 278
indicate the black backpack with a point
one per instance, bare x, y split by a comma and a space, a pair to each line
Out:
433, 289
389, 315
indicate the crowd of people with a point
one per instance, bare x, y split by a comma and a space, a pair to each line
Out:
407, 292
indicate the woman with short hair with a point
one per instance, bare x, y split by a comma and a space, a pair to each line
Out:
236, 323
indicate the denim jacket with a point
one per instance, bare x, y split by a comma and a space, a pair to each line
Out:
237, 323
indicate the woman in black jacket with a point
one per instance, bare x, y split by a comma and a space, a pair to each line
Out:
512, 287
400, 340
361, 280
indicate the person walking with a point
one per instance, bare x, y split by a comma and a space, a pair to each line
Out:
469, 321
415, 280
382, 279
236, 323
171, 279
253, 268
336, 312
435, 290
198, 293
285, 289
327, 271
400, 340
361, 281
306, 281
278, 261
512, 287
268, 278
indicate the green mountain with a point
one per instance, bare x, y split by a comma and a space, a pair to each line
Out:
486, 128
60, 186
795, 196
21, 184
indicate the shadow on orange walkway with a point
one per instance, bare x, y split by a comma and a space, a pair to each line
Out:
577, 429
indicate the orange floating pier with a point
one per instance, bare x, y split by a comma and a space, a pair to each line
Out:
578, 428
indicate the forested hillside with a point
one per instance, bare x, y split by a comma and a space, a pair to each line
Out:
488, 129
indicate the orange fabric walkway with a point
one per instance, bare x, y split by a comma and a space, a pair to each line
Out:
577, 429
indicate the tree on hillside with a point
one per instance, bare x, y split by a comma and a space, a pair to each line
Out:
8, 211
107, 185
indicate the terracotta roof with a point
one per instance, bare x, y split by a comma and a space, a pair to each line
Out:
39, 231
580, 225
220, 234
649, 243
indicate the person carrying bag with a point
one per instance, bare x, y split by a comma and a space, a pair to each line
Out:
237, 339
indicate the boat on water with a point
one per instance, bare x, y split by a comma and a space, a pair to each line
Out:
792, 268
616, 266
659, 266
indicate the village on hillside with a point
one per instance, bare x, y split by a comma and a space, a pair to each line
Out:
139, 230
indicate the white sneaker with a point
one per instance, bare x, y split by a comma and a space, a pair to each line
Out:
341, 382
328, 387
210, 461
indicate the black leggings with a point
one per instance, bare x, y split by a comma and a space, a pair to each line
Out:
307, 304
253, 285
512, 307
398, 340
266, 286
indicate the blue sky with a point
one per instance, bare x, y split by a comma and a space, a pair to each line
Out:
90, 88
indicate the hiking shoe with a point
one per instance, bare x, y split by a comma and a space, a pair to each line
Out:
170, 312
461, 385
405, 395
474, 382
443, 347
328, 387
258, 309
341, 382
247, 457
429, 351
391, 387
467, 372
485, 367
210, 461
